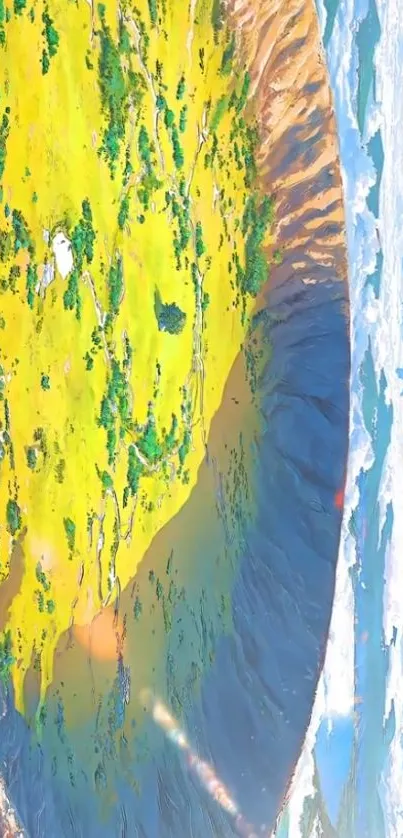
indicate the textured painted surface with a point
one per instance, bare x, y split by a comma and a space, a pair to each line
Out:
225, 597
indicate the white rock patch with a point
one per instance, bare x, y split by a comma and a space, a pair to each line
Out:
63, 254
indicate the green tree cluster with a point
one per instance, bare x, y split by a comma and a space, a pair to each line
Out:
118, 393
71, 297
96, 339
242, 99
153, 10
237, 156
128, 169
31, 457
40, 438
148, 443
137, 608
40, 600
50, 34
4, 133
52, 41
182, 236
113, 405
6, 657
19, 6
184, 447
217, 15
144, 146
88, 63
171, 319
13, 275
134, 470
136, 88
106, 414
256, 221
205, 301
123, 214
149, 183
180, 90
170, 438
177, 150
199, 243
41, 577
83, 237
89, 362
249, 145
2, 385
114, 94
160, 102
124, 44
106, 480
2, 22
82, 245
31, 283
22, 235
45, 62
169, 118
183, 118
218, 113
115, 285
13, 517
60, 470
128, 353
70, 530
228, 55
6, 245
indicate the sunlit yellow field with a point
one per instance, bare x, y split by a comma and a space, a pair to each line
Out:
130, 239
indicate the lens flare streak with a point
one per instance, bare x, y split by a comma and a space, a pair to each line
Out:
204, 772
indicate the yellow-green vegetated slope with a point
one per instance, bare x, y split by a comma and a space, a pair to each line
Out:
131, 236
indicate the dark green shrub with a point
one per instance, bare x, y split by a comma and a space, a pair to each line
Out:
171, 319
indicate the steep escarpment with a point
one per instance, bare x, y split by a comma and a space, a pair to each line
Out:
298, 154
226, 617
